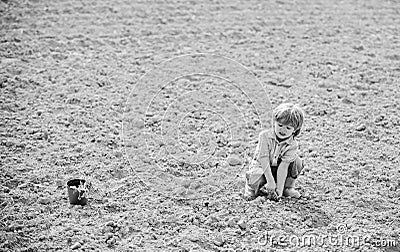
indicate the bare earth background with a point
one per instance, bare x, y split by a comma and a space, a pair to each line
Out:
66, 71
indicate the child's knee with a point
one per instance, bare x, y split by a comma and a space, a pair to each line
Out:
295, 168
290, 182
249, 191
255, 179
255, 185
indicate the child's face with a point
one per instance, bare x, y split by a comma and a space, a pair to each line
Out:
283, 131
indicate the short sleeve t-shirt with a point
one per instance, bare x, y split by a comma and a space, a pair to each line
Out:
269, 147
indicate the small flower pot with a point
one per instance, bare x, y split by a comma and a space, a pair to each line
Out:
75, 194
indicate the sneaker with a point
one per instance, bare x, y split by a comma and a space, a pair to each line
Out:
291, 192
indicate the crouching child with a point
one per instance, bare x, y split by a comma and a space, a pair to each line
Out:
276, 165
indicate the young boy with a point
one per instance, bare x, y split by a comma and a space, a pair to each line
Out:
276, 163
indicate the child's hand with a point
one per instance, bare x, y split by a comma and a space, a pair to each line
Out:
271, 194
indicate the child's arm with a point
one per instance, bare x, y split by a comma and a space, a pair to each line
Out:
264, 161
281, 177
289, 156
267, 172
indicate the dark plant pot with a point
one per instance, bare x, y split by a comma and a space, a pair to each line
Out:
76, 197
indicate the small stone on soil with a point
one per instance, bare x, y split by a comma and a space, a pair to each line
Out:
361, 127
44, 201
110, 224
234, 160
235, 144
76, 246
219, 241
242, 224
232, 221
193, 238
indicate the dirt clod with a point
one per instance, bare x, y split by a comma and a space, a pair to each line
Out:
242, 224
361, 127
44, 200
219, 241
234, 160
77, 245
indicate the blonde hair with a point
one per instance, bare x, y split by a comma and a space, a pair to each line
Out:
289, 114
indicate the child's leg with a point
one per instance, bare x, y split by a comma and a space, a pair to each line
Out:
251, 190
291, 191
249, 193
293, 171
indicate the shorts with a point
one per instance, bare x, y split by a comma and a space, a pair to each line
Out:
255, 178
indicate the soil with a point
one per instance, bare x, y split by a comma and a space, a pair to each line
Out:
158, 106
